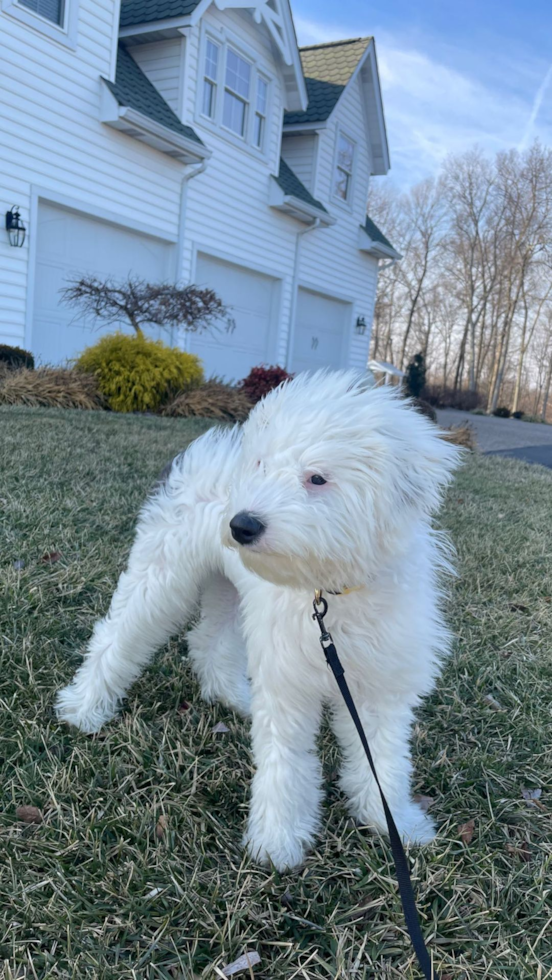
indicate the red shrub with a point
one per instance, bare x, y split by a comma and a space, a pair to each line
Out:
261, 380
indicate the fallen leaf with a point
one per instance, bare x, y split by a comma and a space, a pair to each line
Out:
19, 564
183, 707
220, 729
50, 557
425, 802
522, 851
29, 814
162, 826
518, 607
154, 892
532, 797
245, 962
466, 831
492, 702
287, 900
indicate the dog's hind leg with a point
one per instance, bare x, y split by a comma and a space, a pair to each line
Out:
177, 546
155, 595
217, 646
387, 729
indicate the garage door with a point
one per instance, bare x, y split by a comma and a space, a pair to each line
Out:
70, 244
322, 327
233, 348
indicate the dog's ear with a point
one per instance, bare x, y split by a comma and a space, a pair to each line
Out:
424, 461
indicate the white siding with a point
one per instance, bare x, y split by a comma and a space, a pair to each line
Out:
227, 210
298, 152
163, 63
330, 258
50, 107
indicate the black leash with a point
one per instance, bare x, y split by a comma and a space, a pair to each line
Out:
402, 869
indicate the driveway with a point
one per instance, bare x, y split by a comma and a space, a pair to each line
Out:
528, 441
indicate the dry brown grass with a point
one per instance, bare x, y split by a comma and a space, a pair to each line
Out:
213, 400
461, 435
50, 388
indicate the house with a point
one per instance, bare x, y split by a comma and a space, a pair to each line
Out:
191, 140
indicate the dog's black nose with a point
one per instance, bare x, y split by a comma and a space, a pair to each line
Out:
245, 528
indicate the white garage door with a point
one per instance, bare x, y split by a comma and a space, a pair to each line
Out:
321, 331
249, 340
70, 244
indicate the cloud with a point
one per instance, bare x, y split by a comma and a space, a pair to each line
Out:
435, 104
536, 107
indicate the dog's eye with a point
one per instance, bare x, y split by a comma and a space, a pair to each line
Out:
317, 480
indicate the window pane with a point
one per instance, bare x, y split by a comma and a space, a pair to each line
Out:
262, 93
259, 130
342, 181
50, 9
238, 74
345, 154
234, 113
208, 98
211, 60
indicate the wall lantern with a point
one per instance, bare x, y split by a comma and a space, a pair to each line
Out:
360, 325
15, 228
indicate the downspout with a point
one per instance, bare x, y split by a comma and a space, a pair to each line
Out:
186, 178
295, 288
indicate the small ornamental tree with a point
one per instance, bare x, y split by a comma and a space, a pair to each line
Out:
415, 377
141, 303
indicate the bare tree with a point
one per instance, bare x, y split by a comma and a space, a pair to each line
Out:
140, 303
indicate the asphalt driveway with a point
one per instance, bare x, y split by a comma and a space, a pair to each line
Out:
527, 441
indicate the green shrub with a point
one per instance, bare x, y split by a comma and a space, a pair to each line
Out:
502, 412
16, 357
136, 374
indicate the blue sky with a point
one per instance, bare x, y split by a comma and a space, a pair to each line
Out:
453, 73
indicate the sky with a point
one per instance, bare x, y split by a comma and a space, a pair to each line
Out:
453, 74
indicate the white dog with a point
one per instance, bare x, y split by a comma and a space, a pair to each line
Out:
328, 485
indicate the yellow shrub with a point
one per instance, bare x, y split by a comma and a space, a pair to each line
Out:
136, 374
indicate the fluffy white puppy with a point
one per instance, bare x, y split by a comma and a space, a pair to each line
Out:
329, 485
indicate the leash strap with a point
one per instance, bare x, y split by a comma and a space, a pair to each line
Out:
402, 869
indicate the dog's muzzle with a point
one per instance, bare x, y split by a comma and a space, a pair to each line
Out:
245, 528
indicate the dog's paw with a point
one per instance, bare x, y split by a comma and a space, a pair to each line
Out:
75, 706
280, 849
415, 827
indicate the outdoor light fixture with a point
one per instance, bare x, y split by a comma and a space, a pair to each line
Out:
360, 326
15, 228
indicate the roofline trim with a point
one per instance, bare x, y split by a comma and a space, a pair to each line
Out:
295, 207
379, 249
169, 23
132, 122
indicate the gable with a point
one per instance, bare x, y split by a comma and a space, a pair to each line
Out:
327, 68
275, 15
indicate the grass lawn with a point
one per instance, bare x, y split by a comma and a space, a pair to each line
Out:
137, 869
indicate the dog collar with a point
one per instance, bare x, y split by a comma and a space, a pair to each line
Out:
353, 588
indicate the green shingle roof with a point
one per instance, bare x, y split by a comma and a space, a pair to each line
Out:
145, 11
132, 88
290, 184
327, 69
373, 232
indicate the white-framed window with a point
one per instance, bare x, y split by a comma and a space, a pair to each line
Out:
53, 10
210, 79
344, 164
235, 93
57, 19
261, 106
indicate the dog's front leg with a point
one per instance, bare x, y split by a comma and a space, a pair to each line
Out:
286, 791
387, 728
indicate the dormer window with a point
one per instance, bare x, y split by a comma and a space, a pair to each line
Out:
236, 93
343, 176
210, 79
235, 96
260, 112
49, 9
